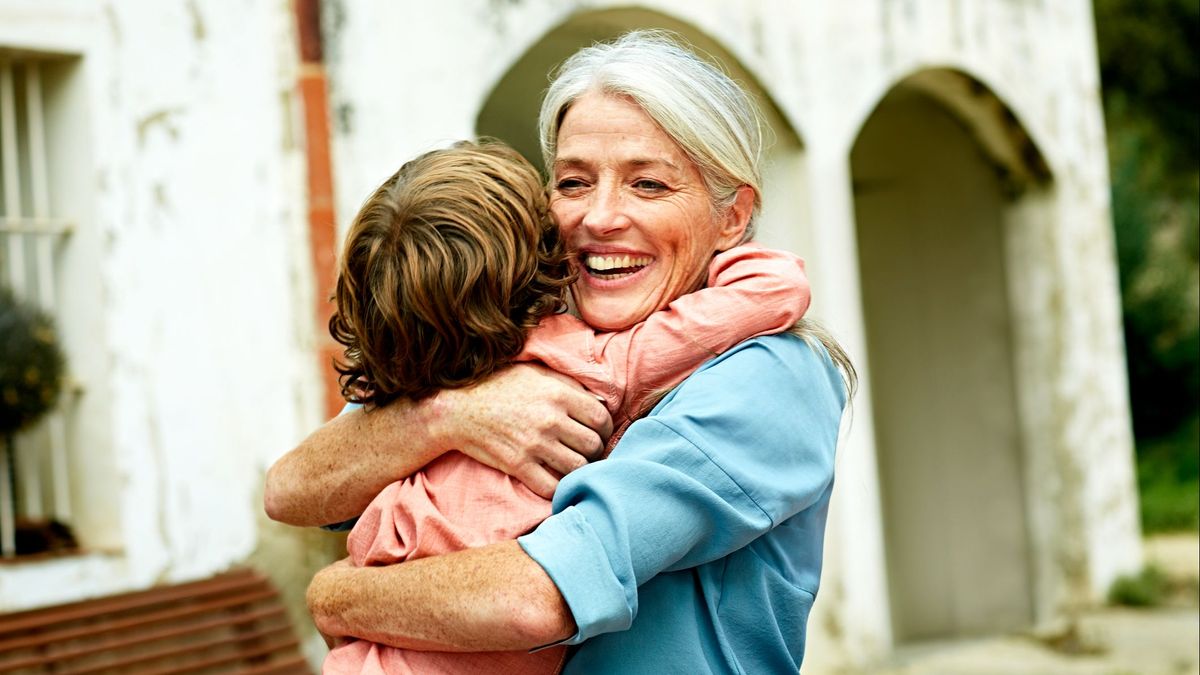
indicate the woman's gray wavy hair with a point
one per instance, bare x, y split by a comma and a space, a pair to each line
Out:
700, 107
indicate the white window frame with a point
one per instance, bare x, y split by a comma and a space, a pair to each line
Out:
30, 236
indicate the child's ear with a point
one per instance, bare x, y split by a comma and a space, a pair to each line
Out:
736, 218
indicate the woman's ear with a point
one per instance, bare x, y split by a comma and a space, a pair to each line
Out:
736, 219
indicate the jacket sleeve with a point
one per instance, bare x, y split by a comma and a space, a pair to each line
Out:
739, 447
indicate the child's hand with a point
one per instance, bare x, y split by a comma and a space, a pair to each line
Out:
527, 421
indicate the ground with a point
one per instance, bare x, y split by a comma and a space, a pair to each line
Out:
1164, 640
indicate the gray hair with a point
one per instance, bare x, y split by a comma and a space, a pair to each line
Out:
700, 107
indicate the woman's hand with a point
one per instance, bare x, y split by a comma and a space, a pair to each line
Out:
528, 421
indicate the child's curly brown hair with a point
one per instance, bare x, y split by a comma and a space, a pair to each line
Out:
445, 269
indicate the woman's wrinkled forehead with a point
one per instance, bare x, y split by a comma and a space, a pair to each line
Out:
615, 129
701, 108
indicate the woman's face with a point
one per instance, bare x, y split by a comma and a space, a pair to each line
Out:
634, 209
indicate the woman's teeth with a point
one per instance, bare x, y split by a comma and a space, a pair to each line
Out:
614, 266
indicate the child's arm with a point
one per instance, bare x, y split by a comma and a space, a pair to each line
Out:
751, 291
524, 421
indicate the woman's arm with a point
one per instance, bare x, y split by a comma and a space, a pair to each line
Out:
526, 421
702, 478
482, 599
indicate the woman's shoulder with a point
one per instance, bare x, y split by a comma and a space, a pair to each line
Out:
784, 354
768, 412
769, 371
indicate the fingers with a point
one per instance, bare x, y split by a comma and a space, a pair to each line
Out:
587, 424
539, 479
591, 413
581, 440
531, 423
564, 460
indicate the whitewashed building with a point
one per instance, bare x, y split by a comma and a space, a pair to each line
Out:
940, 164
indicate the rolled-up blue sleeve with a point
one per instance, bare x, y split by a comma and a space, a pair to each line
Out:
741, 445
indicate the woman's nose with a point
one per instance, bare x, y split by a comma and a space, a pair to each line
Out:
606, 214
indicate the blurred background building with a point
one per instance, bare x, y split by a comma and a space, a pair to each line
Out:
176, 175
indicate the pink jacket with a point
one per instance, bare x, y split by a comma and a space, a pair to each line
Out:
456, 502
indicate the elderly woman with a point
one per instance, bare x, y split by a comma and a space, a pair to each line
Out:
696, 547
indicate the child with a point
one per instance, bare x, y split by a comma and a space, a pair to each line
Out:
452, 270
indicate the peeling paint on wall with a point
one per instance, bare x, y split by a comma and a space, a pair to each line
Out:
196, 221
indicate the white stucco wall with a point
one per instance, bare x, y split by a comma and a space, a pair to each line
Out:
193, 342
191, 325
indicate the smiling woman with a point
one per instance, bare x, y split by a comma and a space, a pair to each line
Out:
636, 209
696, 546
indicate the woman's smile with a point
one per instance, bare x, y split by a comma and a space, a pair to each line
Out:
606, 267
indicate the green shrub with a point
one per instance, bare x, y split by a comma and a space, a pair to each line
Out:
1147, 588
1170, 507
31, 364
1169, 480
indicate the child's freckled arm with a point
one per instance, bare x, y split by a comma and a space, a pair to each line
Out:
751, 291
334, 473
519, 421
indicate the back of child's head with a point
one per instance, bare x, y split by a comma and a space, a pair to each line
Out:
445, 269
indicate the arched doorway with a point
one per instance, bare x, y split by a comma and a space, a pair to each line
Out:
936, 169
510, 110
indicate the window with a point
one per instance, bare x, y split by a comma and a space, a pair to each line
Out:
35, 504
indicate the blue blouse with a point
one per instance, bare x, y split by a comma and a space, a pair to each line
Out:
696, 547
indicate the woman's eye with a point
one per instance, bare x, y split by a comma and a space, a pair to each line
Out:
649, 185
568, 184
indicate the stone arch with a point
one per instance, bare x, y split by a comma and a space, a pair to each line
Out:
510, 109
947, 182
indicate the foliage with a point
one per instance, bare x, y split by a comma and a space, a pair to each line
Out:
1148, 63
1147, 588
1150, 68
31, 364
1169, 481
